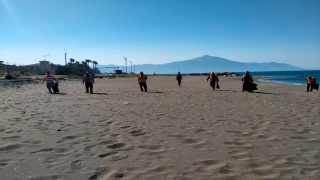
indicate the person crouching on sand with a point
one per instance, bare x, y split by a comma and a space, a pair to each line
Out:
7, 75
142, 80
50, 80
310, 83
213, 79
88, 80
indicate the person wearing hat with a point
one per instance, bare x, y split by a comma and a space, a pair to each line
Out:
246, 82
213, 79
142, 80
179, 78
88, 80
50, 80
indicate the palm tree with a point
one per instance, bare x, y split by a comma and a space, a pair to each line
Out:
1, 62
95, 64
88, 61
77, 62
92, 64
72, 60
83, 62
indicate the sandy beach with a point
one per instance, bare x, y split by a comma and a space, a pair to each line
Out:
171, 133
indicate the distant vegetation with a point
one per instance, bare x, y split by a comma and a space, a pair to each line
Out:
73, 69
14, 70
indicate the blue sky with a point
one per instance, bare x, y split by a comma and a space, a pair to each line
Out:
160, 31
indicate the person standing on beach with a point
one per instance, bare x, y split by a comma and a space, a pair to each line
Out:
246, 82
142, 80
310, 83
213, 79
179, 78
88, 80
50, 80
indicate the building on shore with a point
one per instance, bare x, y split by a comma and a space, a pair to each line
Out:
42, 67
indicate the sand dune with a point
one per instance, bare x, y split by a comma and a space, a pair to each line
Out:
171, 132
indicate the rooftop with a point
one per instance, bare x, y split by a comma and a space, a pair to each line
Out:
33, 64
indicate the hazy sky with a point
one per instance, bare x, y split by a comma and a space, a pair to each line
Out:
161, 31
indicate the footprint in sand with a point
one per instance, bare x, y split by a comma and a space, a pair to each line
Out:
239, 154
11, 137
116, 146
33, 142
108, 153
77, 165
6, 162
118, 157
152, 149
137, 133
90, 148
11, 147
54, 150
114, 155
238, 143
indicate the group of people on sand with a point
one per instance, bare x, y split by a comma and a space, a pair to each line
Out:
52, 84
247, 82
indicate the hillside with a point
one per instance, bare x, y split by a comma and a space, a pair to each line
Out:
205, 64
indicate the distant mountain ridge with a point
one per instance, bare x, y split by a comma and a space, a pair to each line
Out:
204, 64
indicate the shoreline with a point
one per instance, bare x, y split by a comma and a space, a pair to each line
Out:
296, 81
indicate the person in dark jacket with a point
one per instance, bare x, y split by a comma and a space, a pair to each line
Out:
88, 80
179, 78
247, 82
310, 83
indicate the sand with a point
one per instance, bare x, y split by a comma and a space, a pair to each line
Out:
171, 133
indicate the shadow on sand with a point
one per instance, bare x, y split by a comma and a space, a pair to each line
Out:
227, 90
154, 92
265, 93
100, 93
59, 93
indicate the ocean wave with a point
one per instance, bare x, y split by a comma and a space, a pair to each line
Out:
296, 82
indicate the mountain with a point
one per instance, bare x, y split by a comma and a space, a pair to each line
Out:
204, 64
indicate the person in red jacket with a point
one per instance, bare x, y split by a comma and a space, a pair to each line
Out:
50, 80
142, 80
88, 80
213, 79
310, 83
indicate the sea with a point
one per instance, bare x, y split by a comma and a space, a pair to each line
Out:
286, 77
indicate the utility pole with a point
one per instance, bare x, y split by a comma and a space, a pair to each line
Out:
131, 66
46, 56
125, 59
65, 56
134, 68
